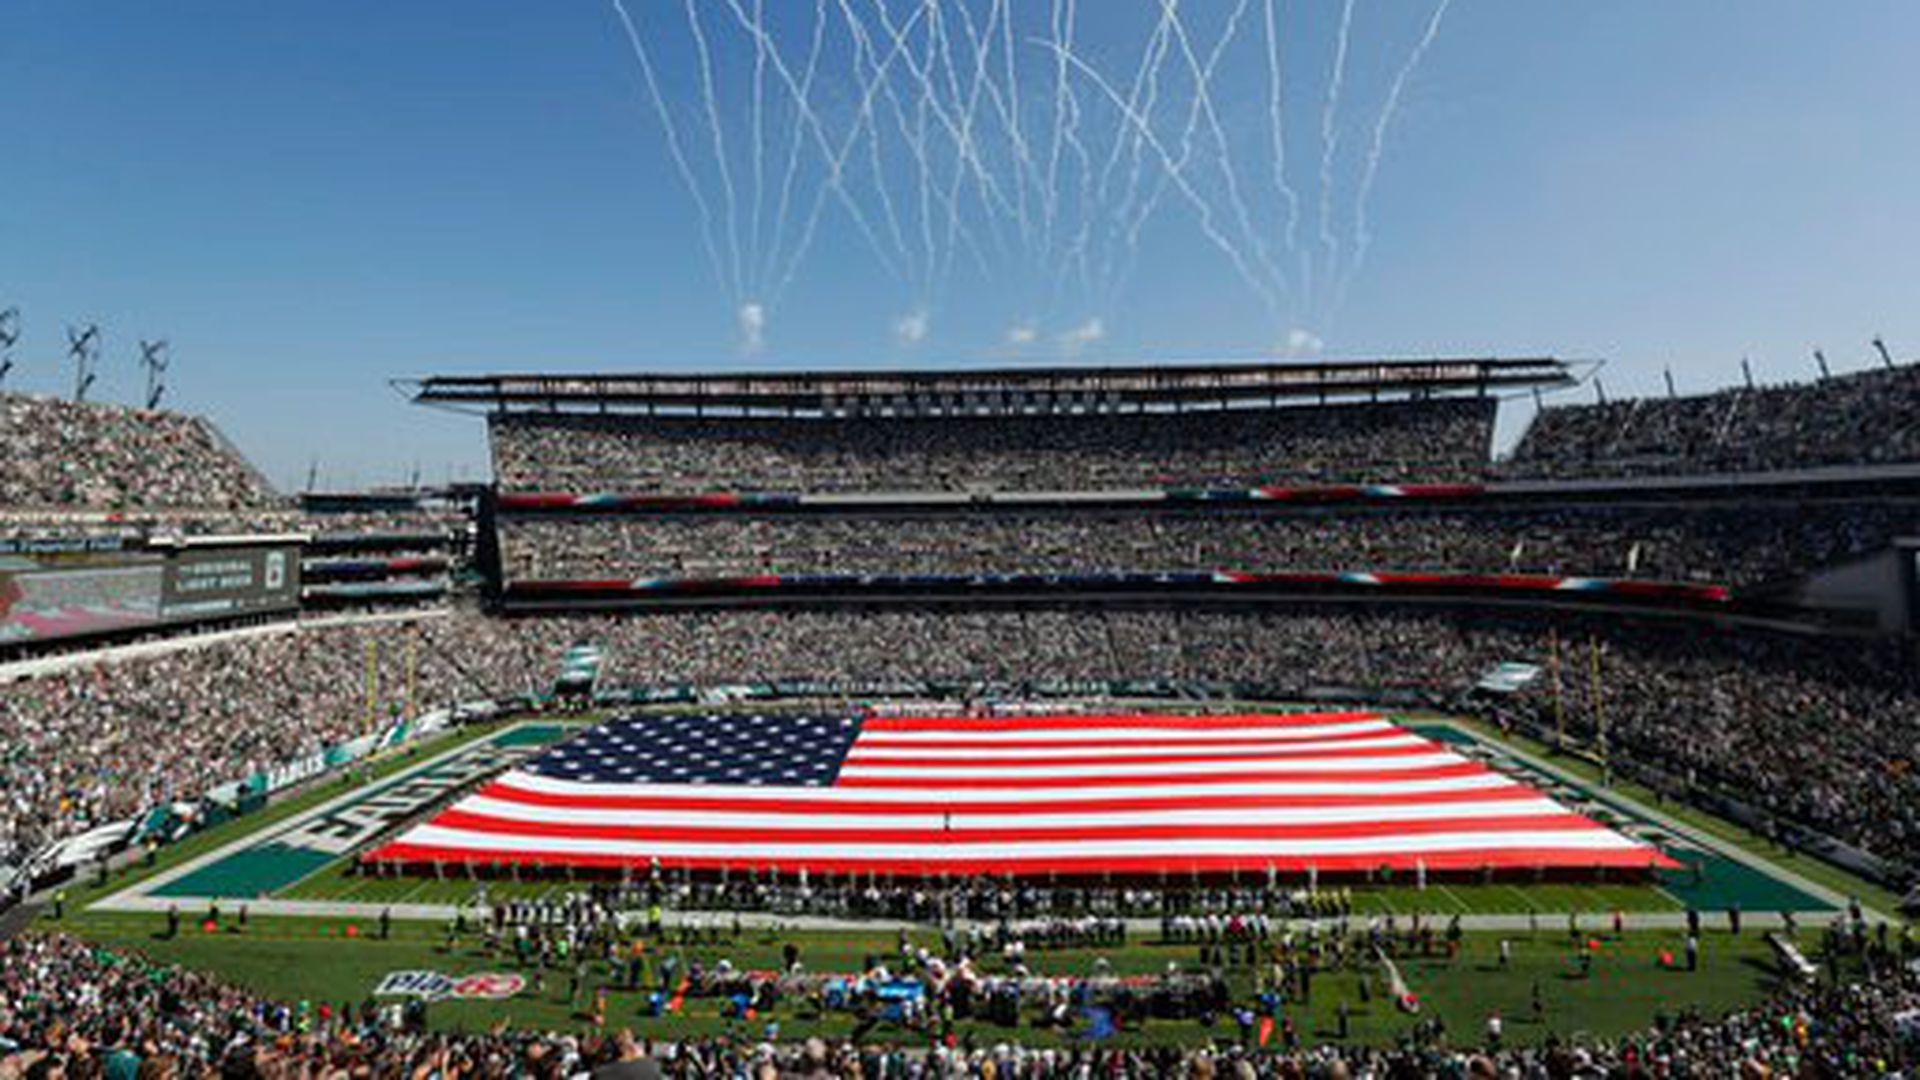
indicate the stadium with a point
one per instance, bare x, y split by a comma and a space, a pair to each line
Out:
1136, 697
1072, 543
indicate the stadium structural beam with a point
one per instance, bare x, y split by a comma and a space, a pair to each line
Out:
156, 358
993, 391
9, 337
83, 348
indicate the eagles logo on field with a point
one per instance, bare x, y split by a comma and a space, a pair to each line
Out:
433, 986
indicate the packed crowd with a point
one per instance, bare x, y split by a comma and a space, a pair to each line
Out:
62, 453
98, 742
70, 1009
1860, 419
1722, 710
1386, 442
1863, 418
1723, 543
1818, 733
1737, 711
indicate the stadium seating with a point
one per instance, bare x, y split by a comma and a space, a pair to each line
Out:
1807, 735
67, 454
1747, 702
1386, 442
1722, 544
1865, 418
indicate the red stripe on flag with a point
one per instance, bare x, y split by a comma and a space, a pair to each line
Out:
899, 757
1430, 772
802, 832
717, 798
1171, 739
1513, 859
1143, 722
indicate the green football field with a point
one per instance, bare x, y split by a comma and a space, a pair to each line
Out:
333, 953
316, 960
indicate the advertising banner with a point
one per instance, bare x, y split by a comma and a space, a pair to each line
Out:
215, 583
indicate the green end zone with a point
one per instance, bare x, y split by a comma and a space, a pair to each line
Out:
1716, 878
275, 858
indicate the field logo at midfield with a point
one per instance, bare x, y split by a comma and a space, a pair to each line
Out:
433, 986
340, 831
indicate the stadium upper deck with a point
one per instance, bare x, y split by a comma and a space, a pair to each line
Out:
1004, 429
991, 391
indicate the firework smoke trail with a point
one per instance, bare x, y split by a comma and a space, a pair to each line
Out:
943, 55
836, 162
883, 186
974, 91
794, 142
989, 188
922, 118
1362, 236
810, 120
912, 134
1136, 211
1329, 141
913, 138
1051, 203
968, 141
1200, 105
1014, 131
1146, 79
1180, 182
1203, 95
1276, 113
1078, 252
719, 145
759, 137
982, 41
1063, 21
679, 156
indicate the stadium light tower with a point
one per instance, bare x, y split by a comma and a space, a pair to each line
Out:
9, 336
83, 348
156, 357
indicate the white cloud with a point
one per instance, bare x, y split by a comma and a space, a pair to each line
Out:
1083, 335
911, 329
1022, 334
1303, 343
752, 320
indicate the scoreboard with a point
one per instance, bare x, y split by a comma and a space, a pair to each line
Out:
59, 589
216, 583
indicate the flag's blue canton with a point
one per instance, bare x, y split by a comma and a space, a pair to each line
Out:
782, 751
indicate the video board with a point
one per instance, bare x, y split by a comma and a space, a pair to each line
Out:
73, 591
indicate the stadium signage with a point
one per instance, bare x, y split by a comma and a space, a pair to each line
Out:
59, 545
206, 584
433, 986
340, 831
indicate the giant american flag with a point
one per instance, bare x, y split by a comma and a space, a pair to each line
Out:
1022, 795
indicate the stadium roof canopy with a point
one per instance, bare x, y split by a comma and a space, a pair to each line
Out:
988, 391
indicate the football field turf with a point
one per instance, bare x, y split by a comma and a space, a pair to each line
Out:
331, 951
316, 960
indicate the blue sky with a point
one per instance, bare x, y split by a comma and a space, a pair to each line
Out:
311, 198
